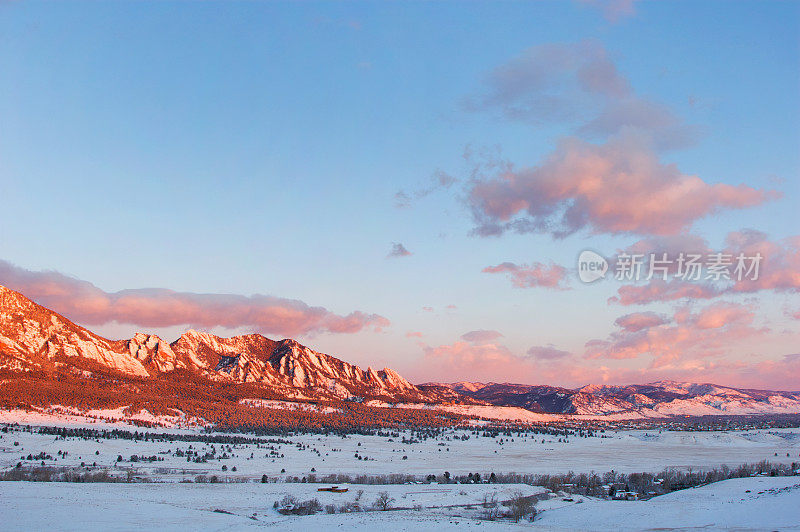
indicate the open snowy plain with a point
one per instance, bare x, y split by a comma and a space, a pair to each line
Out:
241, 500
301, 455
759, 503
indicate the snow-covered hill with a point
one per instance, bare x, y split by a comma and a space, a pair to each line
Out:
657, 399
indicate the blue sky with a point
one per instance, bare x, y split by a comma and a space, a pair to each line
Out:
256, 148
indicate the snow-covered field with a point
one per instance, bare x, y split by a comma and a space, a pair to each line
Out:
770, 503
759, 503
622, 451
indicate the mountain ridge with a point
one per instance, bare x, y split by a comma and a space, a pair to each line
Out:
666, 398
34, 339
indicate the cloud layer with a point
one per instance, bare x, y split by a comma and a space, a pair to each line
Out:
607, 176
481, 336
779, 269
647, 347
686, 336
613, 10
84, 303
616, 187
578, 85
532, 275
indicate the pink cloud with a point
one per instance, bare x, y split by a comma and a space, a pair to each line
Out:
481, 336
659, 290
613, 10
640, 320
710, 332
619, 184
84, 303
532, 275
414, 334
671, 245
774, 373
721, 314
466, 360
548, 365
547, 352
778, 270
616, 187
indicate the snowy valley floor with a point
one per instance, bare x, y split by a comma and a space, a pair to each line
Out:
169, 504
770, 504
624, 451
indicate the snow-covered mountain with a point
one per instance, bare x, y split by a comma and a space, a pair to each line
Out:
35, 341
34, 338
657, 399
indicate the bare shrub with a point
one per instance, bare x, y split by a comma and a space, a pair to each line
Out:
349, 507
289, 505
489, 500
491, 513
288, 501
522, 506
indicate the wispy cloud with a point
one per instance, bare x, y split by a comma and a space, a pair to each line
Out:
577, 85
547, 352
439, 181
533, 275
467, 360
613, 10
481, 336
552, 83
640, 320
87, 304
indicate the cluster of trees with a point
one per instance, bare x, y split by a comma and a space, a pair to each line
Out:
589, 484
708, 423
122, 434
218, 403
290, 505
68, 474
592, 484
